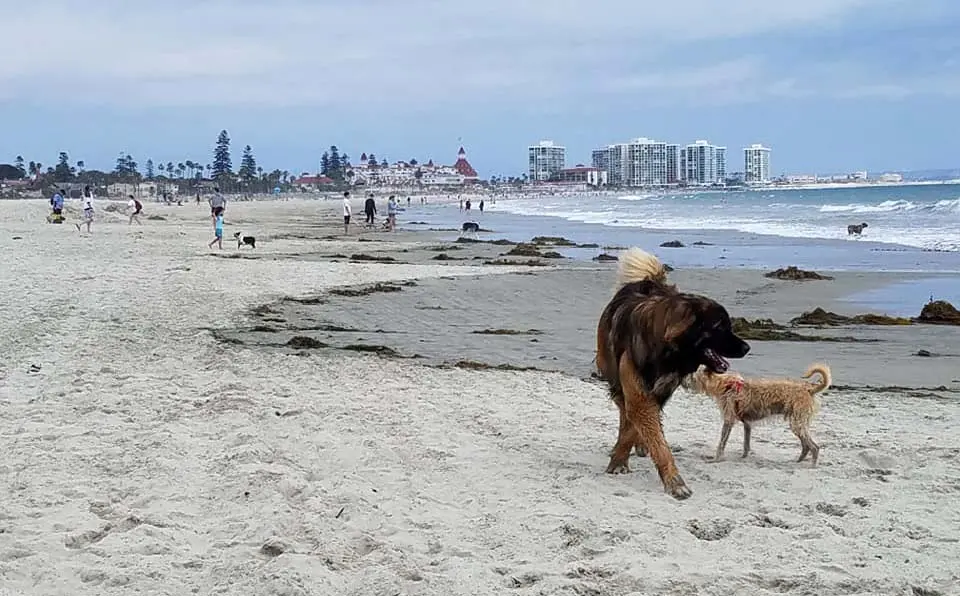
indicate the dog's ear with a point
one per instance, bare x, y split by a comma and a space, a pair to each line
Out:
679, 319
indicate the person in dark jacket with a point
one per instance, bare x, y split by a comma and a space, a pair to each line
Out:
370, 210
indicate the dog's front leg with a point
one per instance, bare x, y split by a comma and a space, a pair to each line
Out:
724, 437
643, 412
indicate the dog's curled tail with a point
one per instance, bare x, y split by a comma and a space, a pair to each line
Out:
825, 378
639, 265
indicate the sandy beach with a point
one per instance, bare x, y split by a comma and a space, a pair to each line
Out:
311, 418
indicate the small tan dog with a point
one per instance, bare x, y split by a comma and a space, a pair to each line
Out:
750, 400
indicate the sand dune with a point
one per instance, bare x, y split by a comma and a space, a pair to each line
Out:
142, 455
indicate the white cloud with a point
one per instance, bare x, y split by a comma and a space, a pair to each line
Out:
302, 52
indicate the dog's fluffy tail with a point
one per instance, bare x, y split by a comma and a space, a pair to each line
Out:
825, 378
638, 265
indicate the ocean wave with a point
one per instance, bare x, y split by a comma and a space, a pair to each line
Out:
947, 205
884, 207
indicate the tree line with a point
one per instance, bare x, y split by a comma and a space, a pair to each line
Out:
187, 174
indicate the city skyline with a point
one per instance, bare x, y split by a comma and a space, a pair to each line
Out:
833, 85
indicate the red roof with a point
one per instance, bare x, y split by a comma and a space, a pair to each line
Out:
463, 166
304, 180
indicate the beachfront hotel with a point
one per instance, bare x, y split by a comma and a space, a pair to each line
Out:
546, 160
640, 162
756, 164
703, 163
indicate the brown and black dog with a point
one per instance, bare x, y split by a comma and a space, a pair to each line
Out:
650, 337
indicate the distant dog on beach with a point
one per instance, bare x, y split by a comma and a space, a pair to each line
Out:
250, 241
650, 336
751, 400
469, 227
855, 229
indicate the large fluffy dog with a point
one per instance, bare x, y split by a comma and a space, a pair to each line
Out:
649, 337
752, 400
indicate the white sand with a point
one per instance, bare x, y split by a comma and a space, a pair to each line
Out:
146, 458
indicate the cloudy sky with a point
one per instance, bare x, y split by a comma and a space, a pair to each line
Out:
830, 85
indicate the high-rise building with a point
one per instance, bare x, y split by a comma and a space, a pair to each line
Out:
703, 163
756, 164
640, 162
546, 159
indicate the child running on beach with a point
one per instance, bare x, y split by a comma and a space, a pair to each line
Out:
218, 229
87, 203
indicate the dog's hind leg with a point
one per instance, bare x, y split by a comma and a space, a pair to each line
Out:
627, 439
807, 444
746, 438
643, 412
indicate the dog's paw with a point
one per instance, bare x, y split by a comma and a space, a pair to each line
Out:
677, 488
618, 468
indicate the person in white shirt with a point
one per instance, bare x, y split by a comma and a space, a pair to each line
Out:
86, 201
137, 209
347, 212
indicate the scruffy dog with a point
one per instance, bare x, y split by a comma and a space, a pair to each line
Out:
751, 400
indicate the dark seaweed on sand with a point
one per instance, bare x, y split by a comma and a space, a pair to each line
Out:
767, 330
939, 312
372, 258
819, 317
793, 273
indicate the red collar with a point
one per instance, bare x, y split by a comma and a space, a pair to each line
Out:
735, 385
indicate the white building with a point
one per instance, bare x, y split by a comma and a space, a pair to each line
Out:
703, 163
756, 164
891, 178
402, 174
546, 159
640, 162
141, 190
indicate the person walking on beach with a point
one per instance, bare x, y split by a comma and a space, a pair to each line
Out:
347, 211
86, 202
137, 209
218, 231
392, 214
481, 206
198, 199
218, 204
468, 206
461, 205
56, 204
370, 210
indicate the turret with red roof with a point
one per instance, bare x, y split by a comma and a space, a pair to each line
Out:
464, 168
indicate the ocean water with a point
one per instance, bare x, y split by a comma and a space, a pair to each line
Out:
926, 217
910, 228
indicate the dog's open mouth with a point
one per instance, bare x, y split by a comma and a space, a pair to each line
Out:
715, 362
